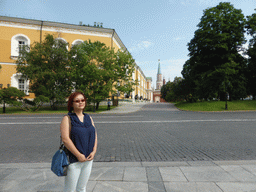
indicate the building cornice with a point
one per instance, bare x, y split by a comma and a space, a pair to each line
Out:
139, 69
8, 64
61, 27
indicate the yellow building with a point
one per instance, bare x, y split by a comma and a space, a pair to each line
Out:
17, 32
143, 90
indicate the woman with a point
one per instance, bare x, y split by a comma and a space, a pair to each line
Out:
80, 138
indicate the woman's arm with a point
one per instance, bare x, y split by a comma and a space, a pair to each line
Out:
92, 154
65, 135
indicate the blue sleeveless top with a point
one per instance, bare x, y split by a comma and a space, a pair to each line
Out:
82, 134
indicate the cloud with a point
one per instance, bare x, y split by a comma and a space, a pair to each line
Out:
245, 47
141, 46
145, 44
178, 38
199, 2
244, 50
185, 2
172, 68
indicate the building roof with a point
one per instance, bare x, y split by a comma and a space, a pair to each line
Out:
65, 25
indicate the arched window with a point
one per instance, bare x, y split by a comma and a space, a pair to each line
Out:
77, 42
62, 40
20, 83
17, 43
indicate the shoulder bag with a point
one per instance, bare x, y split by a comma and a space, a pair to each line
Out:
60, 160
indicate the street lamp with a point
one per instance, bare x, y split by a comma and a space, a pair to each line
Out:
226, 84
226, 105
226, 94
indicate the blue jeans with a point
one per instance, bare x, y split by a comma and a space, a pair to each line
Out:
77, 176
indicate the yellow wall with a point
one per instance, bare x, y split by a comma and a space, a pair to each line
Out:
34, 35
6, 35
7, 32
5, 74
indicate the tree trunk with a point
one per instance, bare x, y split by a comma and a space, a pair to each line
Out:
4, 107
222, 96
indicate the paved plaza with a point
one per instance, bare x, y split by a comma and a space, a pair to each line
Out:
207, 176
143, 147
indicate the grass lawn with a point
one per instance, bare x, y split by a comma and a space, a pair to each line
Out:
46, 110
217, 105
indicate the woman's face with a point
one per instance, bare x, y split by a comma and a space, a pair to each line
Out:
79, 102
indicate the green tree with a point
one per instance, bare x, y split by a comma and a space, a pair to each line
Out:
190, 80
251, 25
124, 67
176, 90
33, 105
96, 70
165, 91
11, 96
182, 90
251, 73
46, 65
214, 53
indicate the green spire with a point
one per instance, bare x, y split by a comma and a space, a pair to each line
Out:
159, 70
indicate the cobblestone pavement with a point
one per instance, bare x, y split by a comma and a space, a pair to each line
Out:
157, 148
156, 132
162, 133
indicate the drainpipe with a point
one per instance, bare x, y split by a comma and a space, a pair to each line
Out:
41, 31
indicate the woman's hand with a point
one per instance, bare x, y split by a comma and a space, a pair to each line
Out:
91, 156
82, 158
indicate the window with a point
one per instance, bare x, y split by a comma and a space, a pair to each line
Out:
77, 42
20, 83
23, 85
61, 40
17, 44
21, 46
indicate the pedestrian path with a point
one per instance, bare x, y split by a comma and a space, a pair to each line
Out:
128, 107
195, 176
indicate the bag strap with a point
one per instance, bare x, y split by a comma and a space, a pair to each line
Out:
61, 143
92, 121
69, 120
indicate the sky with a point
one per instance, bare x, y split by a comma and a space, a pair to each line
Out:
150, 29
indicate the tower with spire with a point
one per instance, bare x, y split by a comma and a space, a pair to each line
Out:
159, 83
159, 77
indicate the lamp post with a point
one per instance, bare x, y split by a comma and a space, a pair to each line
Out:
226, 105
226, 94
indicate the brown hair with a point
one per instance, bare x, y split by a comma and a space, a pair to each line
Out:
71, 99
